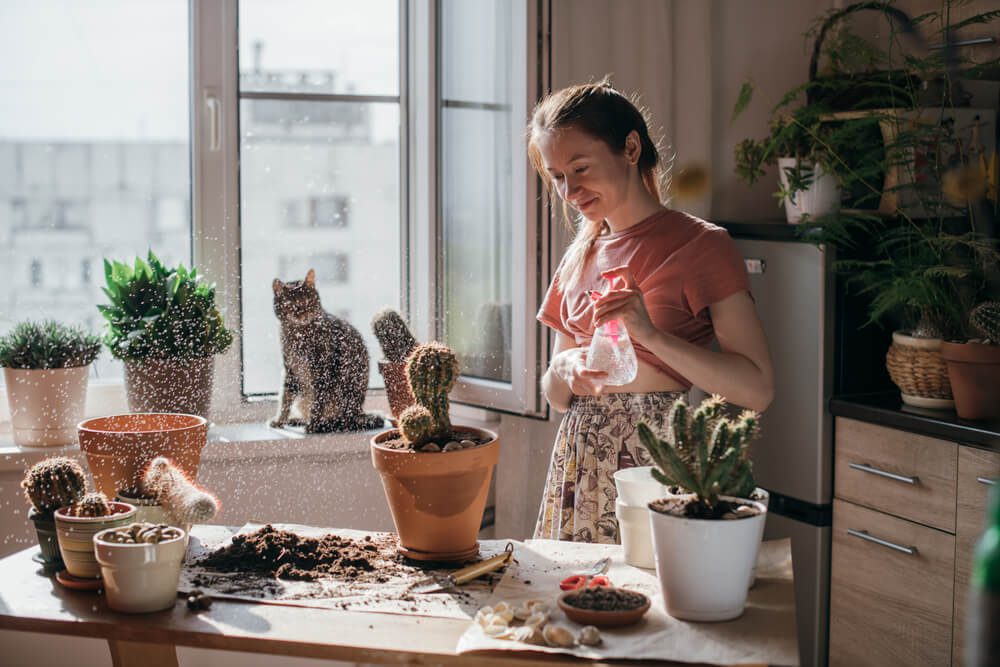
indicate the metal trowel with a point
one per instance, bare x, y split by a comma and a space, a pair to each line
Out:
466, 574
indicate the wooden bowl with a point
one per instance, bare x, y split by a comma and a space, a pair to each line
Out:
602, 619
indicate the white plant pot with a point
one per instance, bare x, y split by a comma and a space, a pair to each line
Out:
46, 404
636, 486
633, 526
820, 198
761, 496
704, 565
140, 578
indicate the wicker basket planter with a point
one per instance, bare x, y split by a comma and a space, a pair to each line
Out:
916, 366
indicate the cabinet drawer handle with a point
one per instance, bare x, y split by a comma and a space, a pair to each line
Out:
864, 467
987, 481
863, 534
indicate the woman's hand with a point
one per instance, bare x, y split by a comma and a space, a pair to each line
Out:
624, 302
570, 367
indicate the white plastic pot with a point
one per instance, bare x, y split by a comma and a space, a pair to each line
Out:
704, 565
821, 197
46, 404
140, 578
633, 526
637, 488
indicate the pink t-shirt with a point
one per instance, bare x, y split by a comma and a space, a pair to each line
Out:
681, 264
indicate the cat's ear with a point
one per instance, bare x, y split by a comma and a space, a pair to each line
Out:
277, 286
311, 278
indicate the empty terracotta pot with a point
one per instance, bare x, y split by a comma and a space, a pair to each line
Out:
437, 498
120, 447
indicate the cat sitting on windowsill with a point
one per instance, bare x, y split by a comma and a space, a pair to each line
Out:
326, 364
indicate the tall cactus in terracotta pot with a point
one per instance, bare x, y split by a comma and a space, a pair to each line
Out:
974, 365
436, 475
396, 342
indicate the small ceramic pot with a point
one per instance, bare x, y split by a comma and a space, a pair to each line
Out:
46, 404
637, 488
633, 527
76, 537
140, 578
45, 527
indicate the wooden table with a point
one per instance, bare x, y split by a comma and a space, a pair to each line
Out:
30, 601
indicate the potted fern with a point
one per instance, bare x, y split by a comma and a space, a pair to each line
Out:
974, 365
45, 367
164, 324
705, 541
436, 475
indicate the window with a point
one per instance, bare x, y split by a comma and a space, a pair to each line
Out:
93, 129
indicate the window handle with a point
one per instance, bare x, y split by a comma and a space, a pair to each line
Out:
987, 481
863, 534
864, 467
212, 105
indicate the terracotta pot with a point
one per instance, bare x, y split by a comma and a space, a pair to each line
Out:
397, 387
76, 537
974, 371
120, 447
46, 404
170, 385
437, 498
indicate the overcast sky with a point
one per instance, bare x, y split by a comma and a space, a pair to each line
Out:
118, 69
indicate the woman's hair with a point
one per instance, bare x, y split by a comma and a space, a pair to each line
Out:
605, 114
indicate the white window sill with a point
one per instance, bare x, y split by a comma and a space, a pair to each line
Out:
233, 442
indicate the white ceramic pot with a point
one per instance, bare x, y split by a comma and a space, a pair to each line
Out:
140, 578
633, 527
637, 488
46, 404
761, 496
821, 197
76, 537
704, 565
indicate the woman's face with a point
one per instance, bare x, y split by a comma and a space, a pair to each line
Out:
585, 171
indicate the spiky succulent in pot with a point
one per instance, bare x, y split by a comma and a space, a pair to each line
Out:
47, 344
985, 320
53, 483
92, 505
160, 312
393, 335
704, 453
432, 370
184, 501
416, 425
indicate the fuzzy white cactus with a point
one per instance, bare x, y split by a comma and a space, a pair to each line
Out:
185, 502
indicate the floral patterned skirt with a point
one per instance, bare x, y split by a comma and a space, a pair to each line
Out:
596, 438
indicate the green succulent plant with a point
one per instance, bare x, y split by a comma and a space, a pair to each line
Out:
393, 335
985, 320
160, 312
53, 483
92, 505
48, 344
431, 370
705, 453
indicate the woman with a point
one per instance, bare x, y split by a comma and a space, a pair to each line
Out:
677, 283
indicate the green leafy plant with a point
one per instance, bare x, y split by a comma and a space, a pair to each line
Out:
160, 312
431, 370
53, 483
705, 453
47, 344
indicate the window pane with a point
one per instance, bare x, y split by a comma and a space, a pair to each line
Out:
320, 46
319, 186
94, 150
476, 194
476, 50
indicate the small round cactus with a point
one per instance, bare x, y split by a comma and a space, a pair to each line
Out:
53, 483
985, 319
432, 370
393, 335
416, 425
92, 505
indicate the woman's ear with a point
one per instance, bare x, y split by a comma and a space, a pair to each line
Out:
633, 147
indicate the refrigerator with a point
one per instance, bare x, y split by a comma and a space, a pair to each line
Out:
794, 288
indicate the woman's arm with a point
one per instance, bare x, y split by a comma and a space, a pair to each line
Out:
567, 375
741, 372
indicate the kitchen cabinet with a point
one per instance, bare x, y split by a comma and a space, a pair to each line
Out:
907, 511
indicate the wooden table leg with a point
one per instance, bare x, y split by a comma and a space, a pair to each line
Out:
136, 654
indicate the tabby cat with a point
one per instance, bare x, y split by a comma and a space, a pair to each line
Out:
326, 364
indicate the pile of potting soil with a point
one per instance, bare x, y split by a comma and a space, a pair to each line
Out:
286, 555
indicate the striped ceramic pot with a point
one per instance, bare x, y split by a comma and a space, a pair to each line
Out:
76, 537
